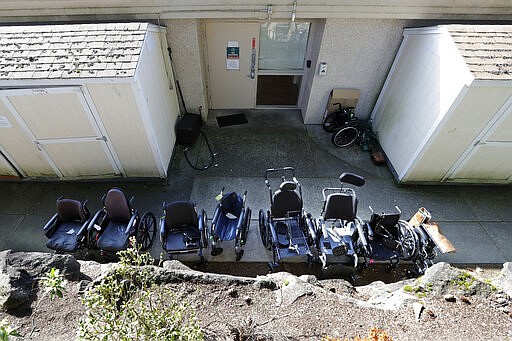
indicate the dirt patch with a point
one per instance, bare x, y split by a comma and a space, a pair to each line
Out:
246, 312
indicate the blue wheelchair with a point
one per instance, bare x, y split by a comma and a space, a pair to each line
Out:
230, 221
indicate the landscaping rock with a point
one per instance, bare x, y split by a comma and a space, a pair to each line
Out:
504, 279
439, 277
291, 287
20, 270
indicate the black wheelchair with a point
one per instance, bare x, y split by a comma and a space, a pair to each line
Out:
230, 221
182, 230
392, 239
286, 229
342, 235
67, 229
116, 222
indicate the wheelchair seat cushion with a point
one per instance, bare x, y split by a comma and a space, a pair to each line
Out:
183, 238
114, 237
285, 201
340, 206
117, 206
70, 210
225, 228
180, 213
64, 237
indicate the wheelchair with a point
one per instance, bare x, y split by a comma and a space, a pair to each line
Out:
286, 229
67, 229
116, 222
391, 238
230, 221
182, 230
342, 235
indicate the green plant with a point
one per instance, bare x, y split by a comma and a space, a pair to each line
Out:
419, 290
6, 330
127, 305
53, 283
464, 281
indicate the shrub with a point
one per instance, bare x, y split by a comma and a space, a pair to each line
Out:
127, 305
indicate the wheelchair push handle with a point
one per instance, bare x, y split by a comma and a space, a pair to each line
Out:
283, 170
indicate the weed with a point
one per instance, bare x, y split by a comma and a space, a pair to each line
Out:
464, 281
6, 331
127, 305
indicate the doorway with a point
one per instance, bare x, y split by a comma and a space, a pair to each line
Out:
254, 65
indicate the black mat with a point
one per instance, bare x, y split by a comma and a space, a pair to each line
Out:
231, 120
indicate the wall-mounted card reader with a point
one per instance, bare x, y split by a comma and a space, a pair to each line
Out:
322, 69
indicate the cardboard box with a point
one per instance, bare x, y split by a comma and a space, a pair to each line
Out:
347, 97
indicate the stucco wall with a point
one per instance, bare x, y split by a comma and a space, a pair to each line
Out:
184, 37
359, 53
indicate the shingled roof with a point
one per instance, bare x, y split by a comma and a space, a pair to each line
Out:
487, 49
70, 51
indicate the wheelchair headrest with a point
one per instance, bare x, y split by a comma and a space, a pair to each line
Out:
180, 213
231, 203
69, 210
288, 186
284, 202
117, 206
353, 179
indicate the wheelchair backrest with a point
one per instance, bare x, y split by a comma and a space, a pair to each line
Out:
71, 210
181, 213
231, 203
286, 200
340, 206
117, 206
386, 220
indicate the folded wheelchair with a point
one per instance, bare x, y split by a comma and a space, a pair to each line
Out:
286, 229
182, 230
342, 235
112, 226
67, 229
230, 221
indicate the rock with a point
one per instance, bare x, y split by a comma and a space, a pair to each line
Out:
19, 272
439, 276
417, 309
504, 279
430, 313
311, 279
291, 287
465, 299
387, 296
502, 301
233, 292
449, 298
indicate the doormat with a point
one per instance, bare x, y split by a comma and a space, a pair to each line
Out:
231, 120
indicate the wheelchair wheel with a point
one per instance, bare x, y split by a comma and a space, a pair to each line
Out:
263, 222
408, 239
345, 136
146, 231
245, 226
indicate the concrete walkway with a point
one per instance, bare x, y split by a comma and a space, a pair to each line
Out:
477, 219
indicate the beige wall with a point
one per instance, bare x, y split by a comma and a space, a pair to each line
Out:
185, 38
358, 54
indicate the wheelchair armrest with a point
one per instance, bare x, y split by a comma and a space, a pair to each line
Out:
135, 215
240, 220
273, 233
162, 230
311, 226
215, 218
94, 219
50, 225
370, 231
83, 229
200, 222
